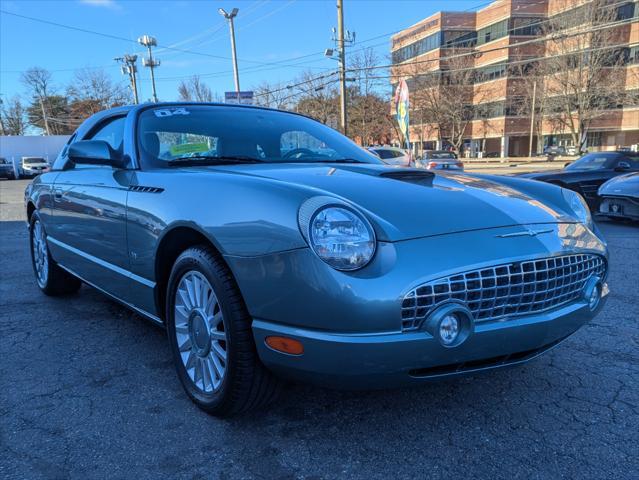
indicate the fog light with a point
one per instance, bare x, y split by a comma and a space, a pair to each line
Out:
449, 329
451, 324
592, 292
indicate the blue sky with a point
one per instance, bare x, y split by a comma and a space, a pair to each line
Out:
267, 31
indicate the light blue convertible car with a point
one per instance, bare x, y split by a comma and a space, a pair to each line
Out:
270, 246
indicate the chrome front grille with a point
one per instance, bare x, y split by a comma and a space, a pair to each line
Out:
507, 290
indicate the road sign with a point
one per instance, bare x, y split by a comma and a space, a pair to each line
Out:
241, 98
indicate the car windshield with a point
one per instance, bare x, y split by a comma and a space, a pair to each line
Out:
591, 161
216, 134
33, 160
386, 154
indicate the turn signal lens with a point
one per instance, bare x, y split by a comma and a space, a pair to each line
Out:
285, 345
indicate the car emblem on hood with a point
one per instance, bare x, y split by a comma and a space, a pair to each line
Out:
526, 233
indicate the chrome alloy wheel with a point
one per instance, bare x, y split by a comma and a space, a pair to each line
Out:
199, 331
40, 253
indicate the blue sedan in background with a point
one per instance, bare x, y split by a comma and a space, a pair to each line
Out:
270, 246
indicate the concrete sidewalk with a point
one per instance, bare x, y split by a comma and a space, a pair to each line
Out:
514, 164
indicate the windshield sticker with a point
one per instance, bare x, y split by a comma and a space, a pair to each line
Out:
168, 112
188, 148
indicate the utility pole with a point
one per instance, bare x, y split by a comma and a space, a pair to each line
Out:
236, 74
149, 42
130, 68
44, 117
342, 64
532, 118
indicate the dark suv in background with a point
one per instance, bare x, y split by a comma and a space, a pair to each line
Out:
6, 169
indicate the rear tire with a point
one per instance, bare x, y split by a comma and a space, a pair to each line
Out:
50, 277
210, 337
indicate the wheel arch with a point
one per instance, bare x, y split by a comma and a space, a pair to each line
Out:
171, 244
30, 209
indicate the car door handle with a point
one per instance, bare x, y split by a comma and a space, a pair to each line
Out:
57, 193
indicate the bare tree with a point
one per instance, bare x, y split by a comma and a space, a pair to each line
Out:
13, 116
38, 82
317, 98
194, 90
273, 95
91, 91
445, 99
580, 75
369, 112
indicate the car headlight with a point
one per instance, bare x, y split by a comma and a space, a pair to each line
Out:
578, 206
341, 237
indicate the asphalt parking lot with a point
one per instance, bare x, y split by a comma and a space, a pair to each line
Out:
88, 390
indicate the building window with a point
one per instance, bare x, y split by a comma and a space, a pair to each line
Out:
459, 39
491, 72
528, 26
492, 32
426, 44
627, 11
633, 54
593, 139
489, 110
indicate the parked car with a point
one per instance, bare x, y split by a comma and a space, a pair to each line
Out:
32, 166
440, 160
572, 150
586, 174
264, 263
555, 150
6, 169
620, 197
392, 155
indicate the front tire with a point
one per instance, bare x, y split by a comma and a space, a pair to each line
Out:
210, 337
50, 277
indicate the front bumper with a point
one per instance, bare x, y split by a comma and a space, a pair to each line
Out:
619, 207
391, 359
33, 172
351, 323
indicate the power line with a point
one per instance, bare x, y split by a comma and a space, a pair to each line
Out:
124, 39
505, 47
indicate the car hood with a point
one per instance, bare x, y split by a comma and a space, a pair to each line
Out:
407, 207
623, 185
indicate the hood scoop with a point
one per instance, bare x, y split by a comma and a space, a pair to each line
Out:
419, 177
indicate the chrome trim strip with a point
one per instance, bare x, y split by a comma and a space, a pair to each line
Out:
525, 233
102, 263
144, 313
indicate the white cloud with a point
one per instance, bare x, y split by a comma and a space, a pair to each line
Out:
101, 3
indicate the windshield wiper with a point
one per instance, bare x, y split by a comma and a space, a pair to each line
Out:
196, 160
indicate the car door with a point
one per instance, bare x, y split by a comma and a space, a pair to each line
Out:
88, 234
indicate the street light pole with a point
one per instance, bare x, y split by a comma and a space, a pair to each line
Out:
149, 42
342, 64
236, 74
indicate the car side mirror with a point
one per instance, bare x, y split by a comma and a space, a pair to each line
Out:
622, 167
95, 152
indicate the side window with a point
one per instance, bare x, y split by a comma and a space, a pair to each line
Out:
632, 161
111, 132
61, 159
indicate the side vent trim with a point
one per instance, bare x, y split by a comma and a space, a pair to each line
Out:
143, 189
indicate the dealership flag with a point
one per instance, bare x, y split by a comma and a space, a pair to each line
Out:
401, 106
